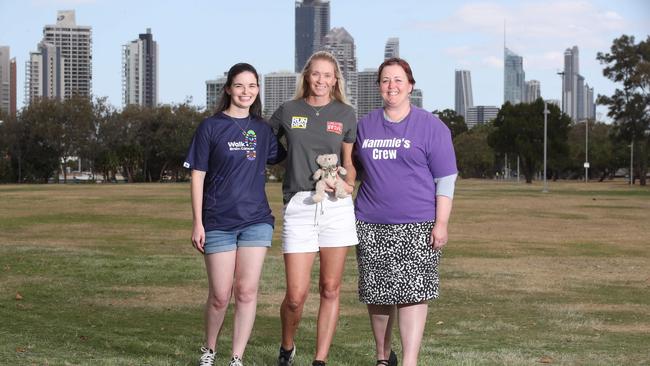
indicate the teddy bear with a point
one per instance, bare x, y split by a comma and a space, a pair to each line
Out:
326, 176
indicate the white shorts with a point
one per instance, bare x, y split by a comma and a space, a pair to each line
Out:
309, 226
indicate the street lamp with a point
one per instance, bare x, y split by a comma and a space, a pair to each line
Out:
586, 150
546, 112
631, 162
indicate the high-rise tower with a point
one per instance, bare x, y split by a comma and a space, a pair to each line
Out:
12, 86
278, 88
513, 77
463, 91
44, 73
417, 97
341, 44
368, 96
213, 90
75, 45
5, 79
570, 82
392, 48
533, 91
577, 96
312, 24
140, 71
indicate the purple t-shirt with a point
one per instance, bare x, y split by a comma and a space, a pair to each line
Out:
234, 152
398, 164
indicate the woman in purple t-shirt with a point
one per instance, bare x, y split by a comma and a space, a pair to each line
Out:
407, 169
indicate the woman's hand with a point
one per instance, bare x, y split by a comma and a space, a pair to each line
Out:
439, 235
348, 188
198, 237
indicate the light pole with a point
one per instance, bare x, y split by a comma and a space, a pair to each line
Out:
586, 150
545, 190
631, 162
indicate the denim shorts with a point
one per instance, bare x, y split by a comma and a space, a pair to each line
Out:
256, 235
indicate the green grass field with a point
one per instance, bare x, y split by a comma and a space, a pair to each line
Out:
106, 275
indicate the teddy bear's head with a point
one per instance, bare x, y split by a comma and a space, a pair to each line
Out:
327, 160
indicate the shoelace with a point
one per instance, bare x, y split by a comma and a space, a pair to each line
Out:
207, 359
236, 361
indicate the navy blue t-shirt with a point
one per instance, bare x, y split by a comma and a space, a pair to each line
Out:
234, 152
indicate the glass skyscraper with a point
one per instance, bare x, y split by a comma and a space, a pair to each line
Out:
513, 77
312, 24
463, 91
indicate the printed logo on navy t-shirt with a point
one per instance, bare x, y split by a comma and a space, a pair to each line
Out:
249, 144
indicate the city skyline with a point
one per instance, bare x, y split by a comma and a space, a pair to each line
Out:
436, 40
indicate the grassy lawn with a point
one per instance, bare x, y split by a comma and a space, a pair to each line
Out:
106, 275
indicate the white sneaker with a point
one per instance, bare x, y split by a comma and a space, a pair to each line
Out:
236, 361
207, 359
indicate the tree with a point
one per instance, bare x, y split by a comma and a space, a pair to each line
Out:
455, 122
474, 156
629, 64
96, 150
6, 142
123, 135
77, 128
39, 137
519, 130
606, 154
174, 136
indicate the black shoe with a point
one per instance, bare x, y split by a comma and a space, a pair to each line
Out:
318, 363
391, 361
285, 358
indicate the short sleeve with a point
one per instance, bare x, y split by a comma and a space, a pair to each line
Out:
351, 133
277, 152
441, 155
276, 121
198, 155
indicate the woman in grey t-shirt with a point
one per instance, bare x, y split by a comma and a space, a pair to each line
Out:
318, 121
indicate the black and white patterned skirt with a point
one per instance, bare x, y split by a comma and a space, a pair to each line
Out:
397, 264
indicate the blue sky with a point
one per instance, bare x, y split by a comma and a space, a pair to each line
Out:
200, 39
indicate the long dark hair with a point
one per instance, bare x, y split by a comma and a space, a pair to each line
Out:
225, 100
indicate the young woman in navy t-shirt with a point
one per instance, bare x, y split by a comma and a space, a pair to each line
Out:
232, 221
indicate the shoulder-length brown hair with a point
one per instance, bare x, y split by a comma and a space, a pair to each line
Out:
399, 62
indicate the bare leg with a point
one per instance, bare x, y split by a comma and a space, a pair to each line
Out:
412, 319
332, 262
247, 278
220, 268
297, 267
381, 321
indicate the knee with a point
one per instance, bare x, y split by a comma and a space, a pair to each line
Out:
330, 290
245, 294
295, 301
218, 301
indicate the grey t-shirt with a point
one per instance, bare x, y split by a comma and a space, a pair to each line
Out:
308, 136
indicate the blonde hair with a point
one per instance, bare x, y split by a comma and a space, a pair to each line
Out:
338, 91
